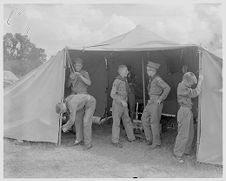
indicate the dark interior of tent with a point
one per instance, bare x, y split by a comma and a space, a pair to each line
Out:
102, 67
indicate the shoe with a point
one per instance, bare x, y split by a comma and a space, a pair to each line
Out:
154, 146
131, 140
148, 142
87, 146
78, 143
178, 159
118, 145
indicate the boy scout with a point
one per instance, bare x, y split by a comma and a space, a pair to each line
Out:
72, 104
79, 82
119, 94
185, 133
158, 91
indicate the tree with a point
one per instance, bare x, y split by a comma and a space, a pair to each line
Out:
20, 55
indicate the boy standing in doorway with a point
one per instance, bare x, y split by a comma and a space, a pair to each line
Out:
158, 90
119, 94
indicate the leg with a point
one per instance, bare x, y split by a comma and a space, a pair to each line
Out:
131, 105
156, 110
87, 121
183, 119
79, 125
116, 114
145, 118
128, 125
191, 136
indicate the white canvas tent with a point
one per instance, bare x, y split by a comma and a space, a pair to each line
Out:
29, 106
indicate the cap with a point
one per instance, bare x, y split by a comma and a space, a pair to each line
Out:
153, 65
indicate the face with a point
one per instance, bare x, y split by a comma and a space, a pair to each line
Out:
151, 72
78, 66
124, 72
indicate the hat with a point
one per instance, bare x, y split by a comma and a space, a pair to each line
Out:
60, 108
153, 65
190, 78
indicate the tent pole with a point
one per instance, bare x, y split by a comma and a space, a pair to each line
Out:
143, 81
106, 105
61, 115
199, 104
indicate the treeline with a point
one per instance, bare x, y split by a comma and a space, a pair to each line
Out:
20, 55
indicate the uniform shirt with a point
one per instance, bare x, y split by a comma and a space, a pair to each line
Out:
77, 84
119, 89
158, 88
184, 94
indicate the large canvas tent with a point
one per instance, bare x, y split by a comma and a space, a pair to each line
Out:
29, 105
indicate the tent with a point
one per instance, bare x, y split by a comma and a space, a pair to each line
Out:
9, 78
29, 105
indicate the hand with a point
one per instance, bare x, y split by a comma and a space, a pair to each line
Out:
201, 77
124, 104
159, 101
72, 76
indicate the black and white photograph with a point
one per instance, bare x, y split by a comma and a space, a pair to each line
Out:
115, 89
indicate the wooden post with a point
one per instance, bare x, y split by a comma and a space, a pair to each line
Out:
143, 82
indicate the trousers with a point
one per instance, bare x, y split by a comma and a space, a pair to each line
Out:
120, 112
185, 132
151, 122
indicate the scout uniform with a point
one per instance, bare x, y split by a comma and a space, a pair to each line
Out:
77, 102
120, 92
157, 90
79, 87
185, 133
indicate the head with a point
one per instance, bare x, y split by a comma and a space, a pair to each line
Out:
189, 78
152, 68
78, 64
61, 108
122, 70
184, 69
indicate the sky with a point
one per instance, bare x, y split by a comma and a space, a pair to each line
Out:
54, 26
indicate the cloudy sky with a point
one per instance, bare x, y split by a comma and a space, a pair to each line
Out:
54, 26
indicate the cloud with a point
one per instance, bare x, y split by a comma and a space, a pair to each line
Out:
53, 27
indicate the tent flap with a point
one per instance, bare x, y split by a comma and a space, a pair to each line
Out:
29, 106
210, 147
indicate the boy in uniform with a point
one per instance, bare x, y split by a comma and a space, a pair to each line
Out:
119, 94
72, 104
185, 135
158, 90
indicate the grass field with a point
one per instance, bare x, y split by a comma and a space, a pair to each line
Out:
46, 160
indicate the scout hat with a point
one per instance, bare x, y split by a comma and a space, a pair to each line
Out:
190, 78
60, 108
153, 65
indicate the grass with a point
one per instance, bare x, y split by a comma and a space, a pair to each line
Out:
46, 160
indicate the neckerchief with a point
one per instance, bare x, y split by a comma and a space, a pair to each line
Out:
124, 80
150, 81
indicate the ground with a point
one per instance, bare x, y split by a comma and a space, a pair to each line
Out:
46, 160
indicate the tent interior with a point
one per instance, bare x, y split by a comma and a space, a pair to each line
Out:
102, 67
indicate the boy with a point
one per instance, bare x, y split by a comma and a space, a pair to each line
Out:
158, 90
119, 94
185, 131
72, 104
79, 82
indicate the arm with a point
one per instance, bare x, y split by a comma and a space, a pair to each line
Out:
166, 89
85, 78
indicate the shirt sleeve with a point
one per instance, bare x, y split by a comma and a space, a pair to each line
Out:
114, 89
86, 75
188, 92
166, 88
